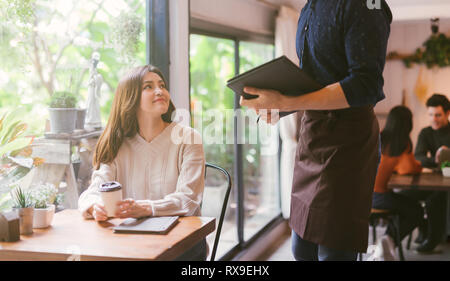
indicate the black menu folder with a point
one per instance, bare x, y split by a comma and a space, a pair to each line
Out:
280, 74
159, 225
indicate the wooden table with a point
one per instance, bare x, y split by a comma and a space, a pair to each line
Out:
423, 181
71, 237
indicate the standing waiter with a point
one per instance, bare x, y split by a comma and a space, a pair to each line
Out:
341, 44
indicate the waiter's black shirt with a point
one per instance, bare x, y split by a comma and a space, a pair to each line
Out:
345, 41
430, 141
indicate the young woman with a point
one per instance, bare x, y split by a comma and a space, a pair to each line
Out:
396, 156
159, 163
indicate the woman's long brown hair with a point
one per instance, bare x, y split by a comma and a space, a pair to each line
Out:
122, 120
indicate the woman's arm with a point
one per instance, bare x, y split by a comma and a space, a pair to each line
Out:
408, 165
385, 170
186, 199
91, 196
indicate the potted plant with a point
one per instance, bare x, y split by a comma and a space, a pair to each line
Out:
63, 114
24, 207
43, 196
445, 166
15, 156
125, 33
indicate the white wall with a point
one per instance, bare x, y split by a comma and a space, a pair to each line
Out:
419, 9
240, 14
405, 38
179, 54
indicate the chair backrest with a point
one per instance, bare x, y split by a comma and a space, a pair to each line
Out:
223, 206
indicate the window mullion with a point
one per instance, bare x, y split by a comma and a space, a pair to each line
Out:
238, 148
157, 36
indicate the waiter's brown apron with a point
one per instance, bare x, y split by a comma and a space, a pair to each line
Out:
334, 175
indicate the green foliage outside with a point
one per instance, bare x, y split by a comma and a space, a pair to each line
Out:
46, 45
251, 55
212, 64
45, 49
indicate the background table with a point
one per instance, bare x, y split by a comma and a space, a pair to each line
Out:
71, 237
423, 181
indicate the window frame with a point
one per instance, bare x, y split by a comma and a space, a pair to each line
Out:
157, 35
238, 148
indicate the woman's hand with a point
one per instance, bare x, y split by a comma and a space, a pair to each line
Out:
98, 212
129, 208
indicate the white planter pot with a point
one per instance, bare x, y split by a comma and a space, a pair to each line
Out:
62, 120
81, 116
43, 217
446, 171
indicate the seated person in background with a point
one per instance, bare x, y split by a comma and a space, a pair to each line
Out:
436, 137
432, 140
396, 156
159, 163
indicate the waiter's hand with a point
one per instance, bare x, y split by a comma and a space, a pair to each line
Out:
267, 99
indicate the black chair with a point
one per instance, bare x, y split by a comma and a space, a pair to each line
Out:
393, 220
423, 204
224, 205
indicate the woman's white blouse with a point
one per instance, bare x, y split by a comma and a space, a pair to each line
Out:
168, 172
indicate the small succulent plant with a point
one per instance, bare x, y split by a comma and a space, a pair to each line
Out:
22, 198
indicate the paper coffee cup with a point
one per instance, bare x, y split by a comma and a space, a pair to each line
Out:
111, 194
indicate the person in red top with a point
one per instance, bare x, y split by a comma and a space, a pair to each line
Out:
396, 157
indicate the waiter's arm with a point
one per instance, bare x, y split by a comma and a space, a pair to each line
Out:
328, 98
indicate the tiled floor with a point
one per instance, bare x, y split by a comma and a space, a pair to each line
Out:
441, 253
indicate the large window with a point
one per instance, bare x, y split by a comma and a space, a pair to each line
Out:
260, 159
45, 46
212, 63
255, 196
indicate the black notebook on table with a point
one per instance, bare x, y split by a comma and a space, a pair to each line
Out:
280, 74
159, 225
